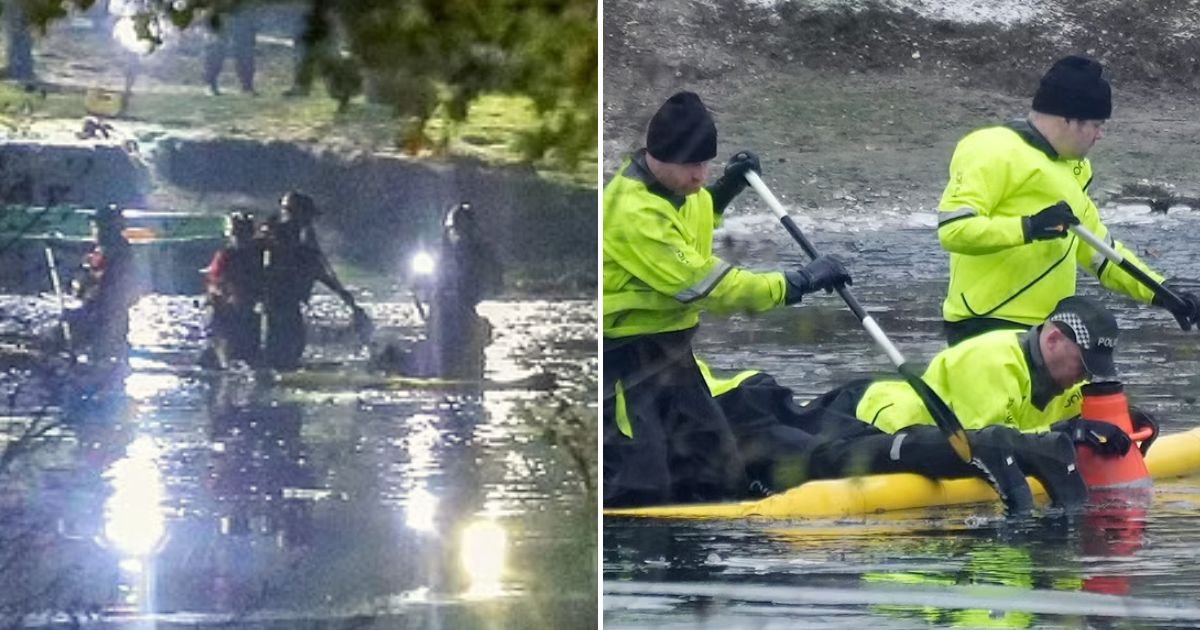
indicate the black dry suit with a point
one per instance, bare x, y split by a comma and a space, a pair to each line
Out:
293, 264
666, 440
468, 271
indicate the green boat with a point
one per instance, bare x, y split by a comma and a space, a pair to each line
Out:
170, 247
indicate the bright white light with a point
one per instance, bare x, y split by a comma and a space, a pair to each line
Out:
144, 315
483, 552
133, 515
423, 264
132, 566
422, 510
419, 594
142, 386
125, 32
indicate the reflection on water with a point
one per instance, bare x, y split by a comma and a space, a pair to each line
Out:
483, 551
941, 568
144, 386
178, 497
421, 509
134, 523
1128, 563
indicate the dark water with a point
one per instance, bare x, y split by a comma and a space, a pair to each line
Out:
1131, 564
173, 499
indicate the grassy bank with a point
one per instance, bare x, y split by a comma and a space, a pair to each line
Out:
169, 93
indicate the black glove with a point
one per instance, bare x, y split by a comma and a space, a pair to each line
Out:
733, 181
1187, 314
824, 272
1105, 438
741, 163
1142, 419
1050, 223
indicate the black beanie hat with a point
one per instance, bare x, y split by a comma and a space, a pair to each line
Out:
1073, 88
682, 131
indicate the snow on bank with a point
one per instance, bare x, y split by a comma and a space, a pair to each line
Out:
964, 11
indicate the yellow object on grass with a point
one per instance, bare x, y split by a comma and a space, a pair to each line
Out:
101, 102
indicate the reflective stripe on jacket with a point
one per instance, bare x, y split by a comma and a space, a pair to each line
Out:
659, 269
997, 176
986, 380
718, 385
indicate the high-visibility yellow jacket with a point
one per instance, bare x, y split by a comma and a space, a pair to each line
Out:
986, 380
997, 176
659, 269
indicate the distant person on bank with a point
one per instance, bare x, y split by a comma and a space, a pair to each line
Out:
235, 34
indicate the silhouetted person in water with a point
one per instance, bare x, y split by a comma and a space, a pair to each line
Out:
235, 284
107, 288
293, 264
467, 271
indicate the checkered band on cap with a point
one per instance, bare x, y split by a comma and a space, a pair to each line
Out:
1081, 332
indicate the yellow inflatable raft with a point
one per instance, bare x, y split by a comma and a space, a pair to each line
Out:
1176, 455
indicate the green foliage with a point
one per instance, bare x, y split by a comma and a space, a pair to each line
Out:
546, 50
41, 12
422, 56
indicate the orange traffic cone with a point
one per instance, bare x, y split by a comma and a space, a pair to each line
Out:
1107, 402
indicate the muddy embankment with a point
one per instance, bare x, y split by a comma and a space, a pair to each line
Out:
377, 208
857, 104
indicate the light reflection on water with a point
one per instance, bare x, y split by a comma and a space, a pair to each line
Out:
483, 553
134, 523
295, 504
421, 511
142, 386
1147, 555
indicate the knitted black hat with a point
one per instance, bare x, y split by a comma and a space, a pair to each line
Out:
682, 131
1073, 88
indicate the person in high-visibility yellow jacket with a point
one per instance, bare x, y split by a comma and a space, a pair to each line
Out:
1013, 191
665, 439
1015, 393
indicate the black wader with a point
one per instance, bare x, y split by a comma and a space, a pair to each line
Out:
681, 449
769, 448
